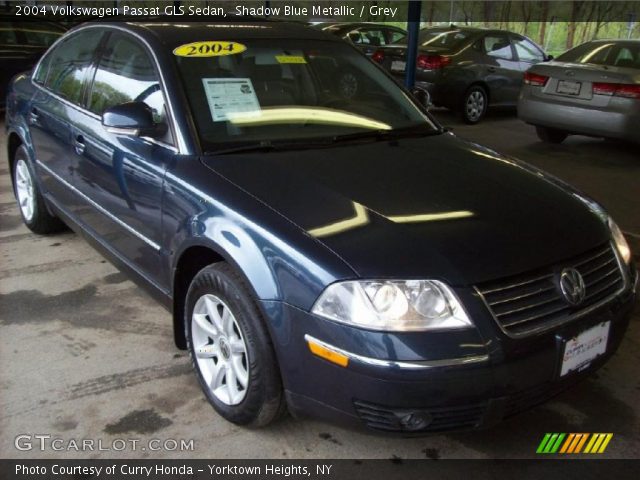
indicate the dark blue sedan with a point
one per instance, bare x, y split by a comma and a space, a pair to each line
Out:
324, 245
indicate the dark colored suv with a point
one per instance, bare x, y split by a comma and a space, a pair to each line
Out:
467, 69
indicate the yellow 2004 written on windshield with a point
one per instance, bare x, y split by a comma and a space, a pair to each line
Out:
213, 48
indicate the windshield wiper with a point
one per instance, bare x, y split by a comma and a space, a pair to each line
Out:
318, 142
383, 135
269, 146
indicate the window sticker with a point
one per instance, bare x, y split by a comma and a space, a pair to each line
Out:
231, 96
209, 49
290, 59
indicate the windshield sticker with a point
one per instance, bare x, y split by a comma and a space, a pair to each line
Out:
290, 59
231, 96
209, 49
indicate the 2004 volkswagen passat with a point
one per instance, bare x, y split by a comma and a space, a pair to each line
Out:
324, 245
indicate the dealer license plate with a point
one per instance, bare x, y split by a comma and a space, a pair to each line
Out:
569, 87
582, 349
398, 66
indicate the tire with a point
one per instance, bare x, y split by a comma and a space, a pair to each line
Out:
551, 135
31, 204
474, 104
227, 353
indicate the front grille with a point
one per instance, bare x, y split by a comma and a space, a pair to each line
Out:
533, 302
438, 419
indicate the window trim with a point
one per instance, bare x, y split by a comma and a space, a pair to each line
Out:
516, 37
94, 71
180, 146
514, 56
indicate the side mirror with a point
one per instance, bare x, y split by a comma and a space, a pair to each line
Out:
422, 96
133, 118
549, 58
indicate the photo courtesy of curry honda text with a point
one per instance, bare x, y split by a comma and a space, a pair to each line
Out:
329, 251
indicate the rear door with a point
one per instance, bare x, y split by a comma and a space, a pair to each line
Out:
122, 175
500, 69
61, 80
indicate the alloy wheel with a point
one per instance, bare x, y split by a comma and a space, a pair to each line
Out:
220, 349
475, 105
25, 190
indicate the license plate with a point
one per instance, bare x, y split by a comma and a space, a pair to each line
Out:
568, 87
398, 66
582, 349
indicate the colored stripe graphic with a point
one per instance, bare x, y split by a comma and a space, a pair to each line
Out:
573, 443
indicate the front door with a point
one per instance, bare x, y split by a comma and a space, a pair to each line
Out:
122, 175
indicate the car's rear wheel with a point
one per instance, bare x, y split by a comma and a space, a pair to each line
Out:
551, 135
230, 348
30, 201
474, 104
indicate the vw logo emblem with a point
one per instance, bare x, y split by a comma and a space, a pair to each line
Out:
572, 286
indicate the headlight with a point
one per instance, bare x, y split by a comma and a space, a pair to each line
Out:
398, 305
620, 241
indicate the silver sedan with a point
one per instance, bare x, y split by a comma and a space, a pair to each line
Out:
592, 89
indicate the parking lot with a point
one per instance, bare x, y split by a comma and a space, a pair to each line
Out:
86, 354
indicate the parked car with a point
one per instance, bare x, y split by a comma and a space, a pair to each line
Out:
21, 45
366, 36
466, 69
593, 89
348, 259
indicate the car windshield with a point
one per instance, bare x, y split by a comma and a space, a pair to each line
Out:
293, 91
612, 54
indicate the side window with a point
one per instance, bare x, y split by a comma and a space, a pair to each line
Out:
625, 58
498, 46
69, 64
357, 37
374, 37
527, 51
125, 73
395, 36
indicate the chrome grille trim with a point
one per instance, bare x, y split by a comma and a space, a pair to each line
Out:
539, 309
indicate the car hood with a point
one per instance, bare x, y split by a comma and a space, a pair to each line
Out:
430, 207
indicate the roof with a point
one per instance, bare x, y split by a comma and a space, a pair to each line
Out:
173, 34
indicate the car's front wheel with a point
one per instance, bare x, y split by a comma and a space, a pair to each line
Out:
474, 104
230, 348
551, 135
30, 201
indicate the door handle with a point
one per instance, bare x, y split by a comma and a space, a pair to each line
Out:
79, 145
491, 69
34, 115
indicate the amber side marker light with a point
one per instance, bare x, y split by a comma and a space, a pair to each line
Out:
328, 354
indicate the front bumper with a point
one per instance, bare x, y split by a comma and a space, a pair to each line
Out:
429, 382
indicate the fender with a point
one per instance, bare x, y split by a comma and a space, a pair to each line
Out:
236, 247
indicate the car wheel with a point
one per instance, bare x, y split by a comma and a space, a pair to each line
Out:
474, 104
551, 135
230, 348
32, 205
